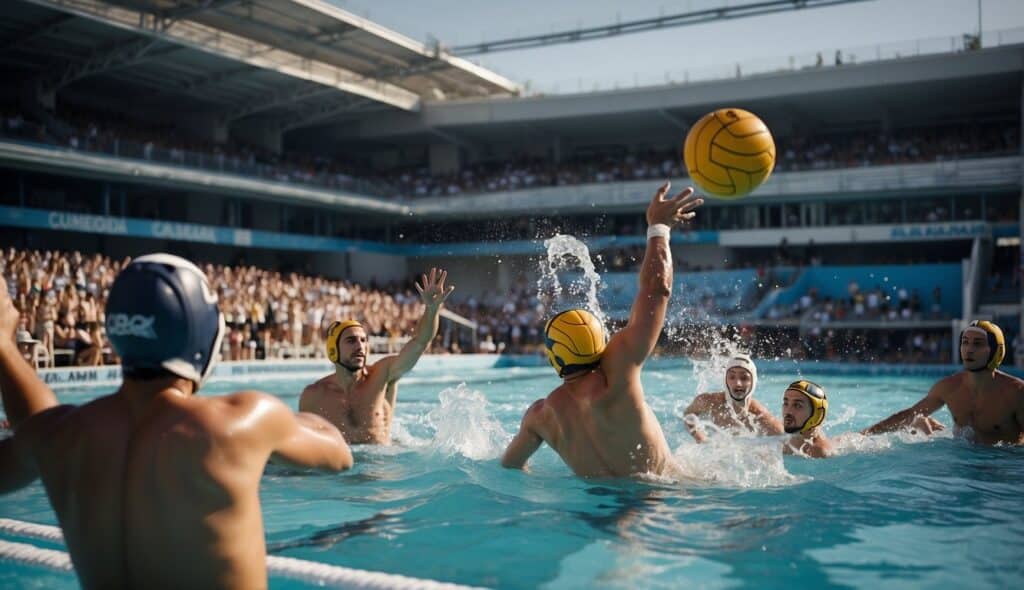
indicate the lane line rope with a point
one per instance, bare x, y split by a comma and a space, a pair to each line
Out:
321, 574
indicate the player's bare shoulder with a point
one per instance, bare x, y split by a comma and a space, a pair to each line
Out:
320, 385
950, 384
243, 403
1010, 381
541, 416
707, 401
314, 391
758, 409
379, 371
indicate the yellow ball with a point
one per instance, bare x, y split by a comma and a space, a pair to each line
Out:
729, 153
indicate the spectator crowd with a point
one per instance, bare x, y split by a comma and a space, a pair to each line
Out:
61, 297
895, 304
268, 314
95, 131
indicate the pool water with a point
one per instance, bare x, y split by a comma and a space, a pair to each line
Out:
890, 511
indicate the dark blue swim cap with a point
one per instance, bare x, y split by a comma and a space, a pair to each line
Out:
162, 314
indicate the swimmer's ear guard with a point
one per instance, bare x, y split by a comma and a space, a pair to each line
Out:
334, 334
819, 402
996, 343
574, 341
162, 314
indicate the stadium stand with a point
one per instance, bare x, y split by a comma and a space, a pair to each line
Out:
352, 173
93, 131
61, 296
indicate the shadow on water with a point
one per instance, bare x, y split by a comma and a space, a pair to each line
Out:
331, 536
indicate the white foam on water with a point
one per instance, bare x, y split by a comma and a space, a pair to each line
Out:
835, 423
568, 259
740, 462
854, 442
464, 425
401, 436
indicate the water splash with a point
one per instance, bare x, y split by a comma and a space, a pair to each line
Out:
568, 278
403, 438
739, 462
854, 442
842, 419
463, 425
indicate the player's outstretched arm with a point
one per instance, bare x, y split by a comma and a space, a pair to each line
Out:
631, 345
434, 293
17, 453
691, 417
766, 422
296, 439
902, 419
24, 393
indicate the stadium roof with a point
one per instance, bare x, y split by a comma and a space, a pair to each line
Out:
294, 62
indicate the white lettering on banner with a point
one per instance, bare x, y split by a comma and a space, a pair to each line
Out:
845, 234
243, 237
139, 326
952, 230
184, 231
74, 376
87, 223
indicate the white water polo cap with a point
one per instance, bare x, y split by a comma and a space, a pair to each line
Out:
741, 361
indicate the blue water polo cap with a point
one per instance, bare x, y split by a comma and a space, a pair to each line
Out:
162, 314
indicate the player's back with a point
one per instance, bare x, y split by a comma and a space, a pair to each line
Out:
600, 431
168, 497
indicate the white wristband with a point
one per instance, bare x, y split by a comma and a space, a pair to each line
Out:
659, 230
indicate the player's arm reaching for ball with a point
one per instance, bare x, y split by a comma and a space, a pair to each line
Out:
433, 292
629, 348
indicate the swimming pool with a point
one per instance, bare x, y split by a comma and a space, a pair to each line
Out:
890, 511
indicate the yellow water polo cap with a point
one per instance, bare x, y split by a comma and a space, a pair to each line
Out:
819, 402
996, 342
574, 341
334, 334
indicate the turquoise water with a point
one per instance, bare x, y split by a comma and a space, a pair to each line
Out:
892, 511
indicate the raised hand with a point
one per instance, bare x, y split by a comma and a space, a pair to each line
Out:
8, 314
675, 210
432, 289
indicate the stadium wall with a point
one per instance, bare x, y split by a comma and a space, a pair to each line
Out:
381, 268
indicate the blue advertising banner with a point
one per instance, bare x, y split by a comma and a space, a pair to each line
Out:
244, 238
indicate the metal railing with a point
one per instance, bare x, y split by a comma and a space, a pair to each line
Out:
827, 58
248, 165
